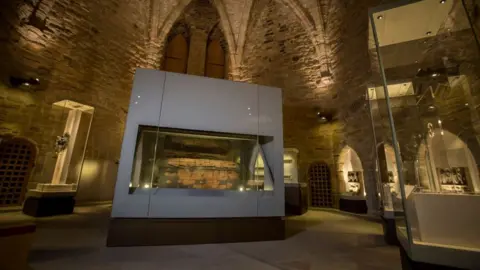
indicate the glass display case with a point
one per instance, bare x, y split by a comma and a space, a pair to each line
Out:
57, 180
424, 102
187, 159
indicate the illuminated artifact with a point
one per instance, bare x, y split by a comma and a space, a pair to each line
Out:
61, 143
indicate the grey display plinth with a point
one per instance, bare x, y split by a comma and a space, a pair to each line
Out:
49, 203
187, 231
295, 199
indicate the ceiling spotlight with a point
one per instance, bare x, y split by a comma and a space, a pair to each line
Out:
435, 75
37, 80
318, 113
466, 104
431, 108
380, 17
428, 33
26, 84
443, 1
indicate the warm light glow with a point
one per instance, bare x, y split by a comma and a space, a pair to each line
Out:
146, 186
249, 108
435, 75
441, 132
380, 17
241, 189
130, 185
443, 1
439, 121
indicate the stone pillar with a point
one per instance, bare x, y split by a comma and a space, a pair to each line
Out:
197, 53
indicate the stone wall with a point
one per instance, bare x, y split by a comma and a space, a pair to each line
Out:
85, 51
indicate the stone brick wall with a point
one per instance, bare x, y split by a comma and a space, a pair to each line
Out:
80, 50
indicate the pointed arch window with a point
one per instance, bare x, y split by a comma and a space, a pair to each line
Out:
215, 60
176, 55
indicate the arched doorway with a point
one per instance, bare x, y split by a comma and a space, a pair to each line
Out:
447, 164
320, 185
351, 182
17, 159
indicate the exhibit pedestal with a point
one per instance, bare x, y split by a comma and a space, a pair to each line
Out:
295, 199
49, 203
188, 231
409, 264
353, 204
389, 229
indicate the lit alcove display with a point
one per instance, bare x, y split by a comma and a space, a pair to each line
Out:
350, 173
449, 162
175, 158
290, 167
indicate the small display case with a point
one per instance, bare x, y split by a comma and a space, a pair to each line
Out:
56, 188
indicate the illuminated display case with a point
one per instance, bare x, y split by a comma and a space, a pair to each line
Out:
351, 182
424, 102
56, 186
203, 151
188, 159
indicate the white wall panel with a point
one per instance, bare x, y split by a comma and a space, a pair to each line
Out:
199, 103
202, 103
144, 109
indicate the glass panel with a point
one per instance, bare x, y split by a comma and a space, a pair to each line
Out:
69, 139
198, 160
428, 57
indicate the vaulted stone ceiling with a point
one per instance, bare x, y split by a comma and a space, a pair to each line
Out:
274, 42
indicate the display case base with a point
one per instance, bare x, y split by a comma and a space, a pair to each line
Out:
409, 264
358, 206
188, 231
389, 231
44, 204
295, 200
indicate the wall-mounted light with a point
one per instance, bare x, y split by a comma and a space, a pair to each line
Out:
428, 33
380, 17
443, 1
17, 82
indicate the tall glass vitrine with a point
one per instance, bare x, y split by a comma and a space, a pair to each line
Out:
424, 101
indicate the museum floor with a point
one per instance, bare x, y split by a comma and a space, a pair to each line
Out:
319, 240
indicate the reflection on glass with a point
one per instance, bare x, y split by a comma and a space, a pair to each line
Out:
429, 66
174, 158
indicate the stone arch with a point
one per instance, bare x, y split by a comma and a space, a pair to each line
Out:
247, 22
446, 152
17, 161
350, 172
176, 55
175, 13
